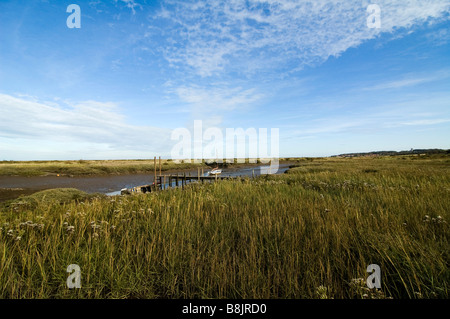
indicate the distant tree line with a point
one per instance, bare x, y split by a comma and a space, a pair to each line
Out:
395, 153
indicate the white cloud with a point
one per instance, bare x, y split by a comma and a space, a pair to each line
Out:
247, 36
234, 40
409, 80
217, 99
97, 125
333, 126
370, 123
131, 4
212, 104
439, 37
427, 122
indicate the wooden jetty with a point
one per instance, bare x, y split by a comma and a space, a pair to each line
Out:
163, 182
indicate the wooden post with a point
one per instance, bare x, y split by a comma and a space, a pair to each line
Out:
198, 174
177, 179
160, 166
253, 173
154, 179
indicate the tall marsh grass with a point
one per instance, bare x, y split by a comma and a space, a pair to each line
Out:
310, 233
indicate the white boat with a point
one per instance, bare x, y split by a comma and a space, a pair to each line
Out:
215, 171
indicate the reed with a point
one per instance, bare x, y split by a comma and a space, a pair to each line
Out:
310, 233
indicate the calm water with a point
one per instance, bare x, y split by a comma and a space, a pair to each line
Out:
232, 172
13, 186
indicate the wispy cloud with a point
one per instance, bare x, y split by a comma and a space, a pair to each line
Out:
439, 37
218, 99
409, 80
376, 122
254, 35
254, 41
131, 4
212, 103
332, 126
427, 122
92, 122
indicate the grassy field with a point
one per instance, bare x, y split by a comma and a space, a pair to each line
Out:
310, 233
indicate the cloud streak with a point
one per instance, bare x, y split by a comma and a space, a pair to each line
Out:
371, 123
409, 81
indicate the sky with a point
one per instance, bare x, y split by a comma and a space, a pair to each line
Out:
136, 70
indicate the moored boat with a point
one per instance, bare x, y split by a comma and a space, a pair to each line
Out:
215, 171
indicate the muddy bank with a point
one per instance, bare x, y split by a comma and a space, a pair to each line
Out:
13, 193
12, 187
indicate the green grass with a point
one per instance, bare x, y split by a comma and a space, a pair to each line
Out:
310, 233
50, 196
84, 168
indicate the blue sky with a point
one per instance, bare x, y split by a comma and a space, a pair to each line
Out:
136, 70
